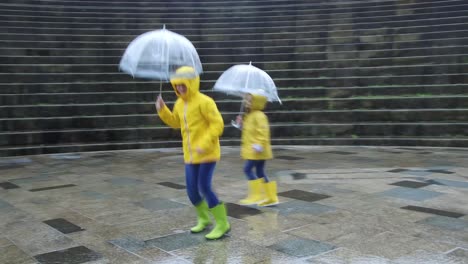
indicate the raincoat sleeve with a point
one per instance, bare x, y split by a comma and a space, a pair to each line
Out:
215, 125
262, 130
170, 118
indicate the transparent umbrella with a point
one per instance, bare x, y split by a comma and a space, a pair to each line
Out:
242, 79
157, 54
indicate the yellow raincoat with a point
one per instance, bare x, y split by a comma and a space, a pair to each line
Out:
198, 118
256, 130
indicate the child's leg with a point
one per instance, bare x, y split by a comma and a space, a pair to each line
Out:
191, 181
255, 194
205, 177
270, 187
248, 166
216, 207
201, 207
260, 167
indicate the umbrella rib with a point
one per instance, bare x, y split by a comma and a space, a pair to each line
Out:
248, 76
166, 46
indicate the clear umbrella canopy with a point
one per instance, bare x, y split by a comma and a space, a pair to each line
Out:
241, 79
157, 54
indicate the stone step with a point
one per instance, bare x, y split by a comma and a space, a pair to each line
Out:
377, 45
217, 11
260, 39
459, 142
212, 8
162, 15
346, 6
366, 129
295, 61
150, 89
155, 21
312, 60
145, 4
379, 102
128, 5
77, 122
343, 141
397, 22
382, 102
61, 73
209, 25
117, 47
277, 130
80, 147
346, 92
293, 78
83, 50
239, 54
140, 85
269, 29
314, 117
82, 97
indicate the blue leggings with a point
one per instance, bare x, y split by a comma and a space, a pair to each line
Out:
198, 180
259, 166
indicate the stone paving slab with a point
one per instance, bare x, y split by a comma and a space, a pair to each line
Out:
300, 247
370, 205
14, 255
234, 251
176, 241
36, 237
253, 231
411, 194
446, 223
73, 255
156, 204
460, 254
394, 245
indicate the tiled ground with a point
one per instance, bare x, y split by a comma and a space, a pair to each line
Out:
338, 205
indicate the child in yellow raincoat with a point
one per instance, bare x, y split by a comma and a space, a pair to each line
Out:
256, 149
201, 125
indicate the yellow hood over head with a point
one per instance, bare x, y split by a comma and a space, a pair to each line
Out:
258, 102
189, 77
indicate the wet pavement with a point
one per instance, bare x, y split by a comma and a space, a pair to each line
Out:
338, 205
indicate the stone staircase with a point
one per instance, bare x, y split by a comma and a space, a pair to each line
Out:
367, 72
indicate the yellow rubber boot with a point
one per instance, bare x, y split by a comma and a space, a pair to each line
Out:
271, 195
255, 194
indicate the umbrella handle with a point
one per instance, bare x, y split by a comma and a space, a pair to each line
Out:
241, 107
234, 124
160, 88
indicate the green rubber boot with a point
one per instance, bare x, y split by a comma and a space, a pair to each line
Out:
222, 225
202, 216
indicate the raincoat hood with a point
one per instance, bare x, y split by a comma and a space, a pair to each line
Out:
197, 117
187, 76
258, 102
